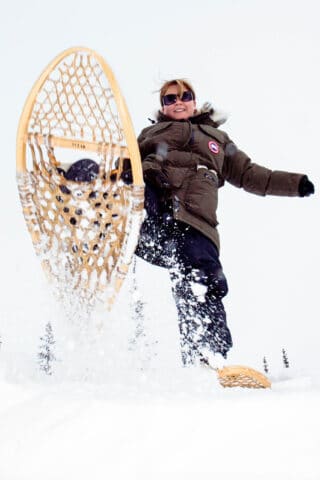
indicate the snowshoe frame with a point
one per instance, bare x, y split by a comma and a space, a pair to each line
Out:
84, 233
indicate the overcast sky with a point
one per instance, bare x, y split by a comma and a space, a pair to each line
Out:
256, 61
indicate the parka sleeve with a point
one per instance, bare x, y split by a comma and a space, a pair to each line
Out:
240, 171
152, 162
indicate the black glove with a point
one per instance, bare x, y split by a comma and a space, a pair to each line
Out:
306, 187
158, 179
162, 180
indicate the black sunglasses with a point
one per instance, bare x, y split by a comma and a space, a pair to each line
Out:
171, 98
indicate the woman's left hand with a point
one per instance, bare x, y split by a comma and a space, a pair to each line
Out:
306, 188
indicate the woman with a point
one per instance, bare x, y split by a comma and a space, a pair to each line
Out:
186, 159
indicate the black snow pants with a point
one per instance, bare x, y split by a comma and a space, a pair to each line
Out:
198, 282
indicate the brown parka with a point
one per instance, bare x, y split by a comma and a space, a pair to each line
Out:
195, 158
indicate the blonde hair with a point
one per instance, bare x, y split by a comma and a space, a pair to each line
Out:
181, 83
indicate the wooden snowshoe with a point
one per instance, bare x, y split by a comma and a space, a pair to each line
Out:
240, 376
85, 233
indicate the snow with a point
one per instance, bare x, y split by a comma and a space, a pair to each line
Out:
80, 431
116, 408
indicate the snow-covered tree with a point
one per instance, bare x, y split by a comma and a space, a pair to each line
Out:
265, 365
285, 359
46, 354
141, 341
137, 308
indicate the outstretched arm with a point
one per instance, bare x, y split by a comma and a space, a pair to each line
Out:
241, 172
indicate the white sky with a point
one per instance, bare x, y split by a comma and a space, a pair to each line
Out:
259, 62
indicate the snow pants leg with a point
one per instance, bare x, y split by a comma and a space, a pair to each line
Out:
193, 263
199, 285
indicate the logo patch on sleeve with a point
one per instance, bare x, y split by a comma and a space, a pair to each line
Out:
213, 147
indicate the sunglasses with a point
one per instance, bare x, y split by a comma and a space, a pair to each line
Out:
171, 98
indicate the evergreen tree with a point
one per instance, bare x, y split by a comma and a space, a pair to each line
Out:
265, 365
137, 308
140, 342
285, 359
46, 355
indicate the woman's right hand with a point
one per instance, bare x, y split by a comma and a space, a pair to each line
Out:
157, 178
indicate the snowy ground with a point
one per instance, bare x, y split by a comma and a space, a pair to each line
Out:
113, 409
119, 409
82, 431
